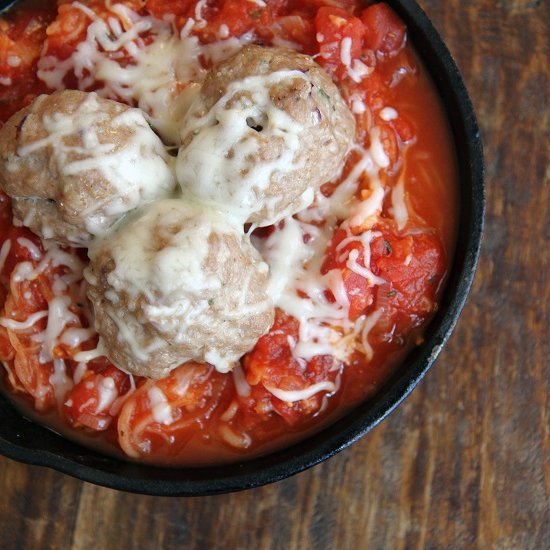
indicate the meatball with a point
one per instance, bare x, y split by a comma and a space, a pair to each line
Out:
174, 284
267, 129
74, 163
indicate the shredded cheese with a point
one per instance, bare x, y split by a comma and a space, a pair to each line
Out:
399, 206
158, 76
291, 396
232, 182
31, 247
162, 77
4, 251
12, 324
160, 407
297, 285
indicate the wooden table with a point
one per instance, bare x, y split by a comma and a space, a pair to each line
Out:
465, 462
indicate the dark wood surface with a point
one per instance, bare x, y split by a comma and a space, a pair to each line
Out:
465, 462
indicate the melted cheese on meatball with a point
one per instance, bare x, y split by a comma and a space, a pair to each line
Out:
136, 171
178, 282
223, 164
74, 163
268, 128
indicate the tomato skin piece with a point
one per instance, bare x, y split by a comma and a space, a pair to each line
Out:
385, 33
293, 28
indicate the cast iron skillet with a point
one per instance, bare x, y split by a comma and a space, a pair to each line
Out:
25, 441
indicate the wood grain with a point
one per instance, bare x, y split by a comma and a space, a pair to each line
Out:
465, 462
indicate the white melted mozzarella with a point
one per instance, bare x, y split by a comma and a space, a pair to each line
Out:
291, 396
12, 324
355, 68
160, 407
163, 267
4, 251
160, 77
60, 381
31, 247
138, 171
156, 82
399, 205
107, 394
143, 268
216, 166
295, 253
59, 317
364, 325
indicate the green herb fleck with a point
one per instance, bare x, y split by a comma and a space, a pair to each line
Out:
387, 247
324, 94
392, 293
255, 14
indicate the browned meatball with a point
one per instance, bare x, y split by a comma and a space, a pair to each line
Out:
268, 128
74, 163
177, 283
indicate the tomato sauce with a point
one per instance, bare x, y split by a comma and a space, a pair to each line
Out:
196, 415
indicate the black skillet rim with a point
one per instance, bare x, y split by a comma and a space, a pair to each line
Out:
27, 442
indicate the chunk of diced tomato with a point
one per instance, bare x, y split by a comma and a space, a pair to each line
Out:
68, 29
161, 8
414, 266
271, 357
89, 402
358, 289
333, 26
271, 365
347, 5
238, 17
384, 30
403, 128
71, 24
